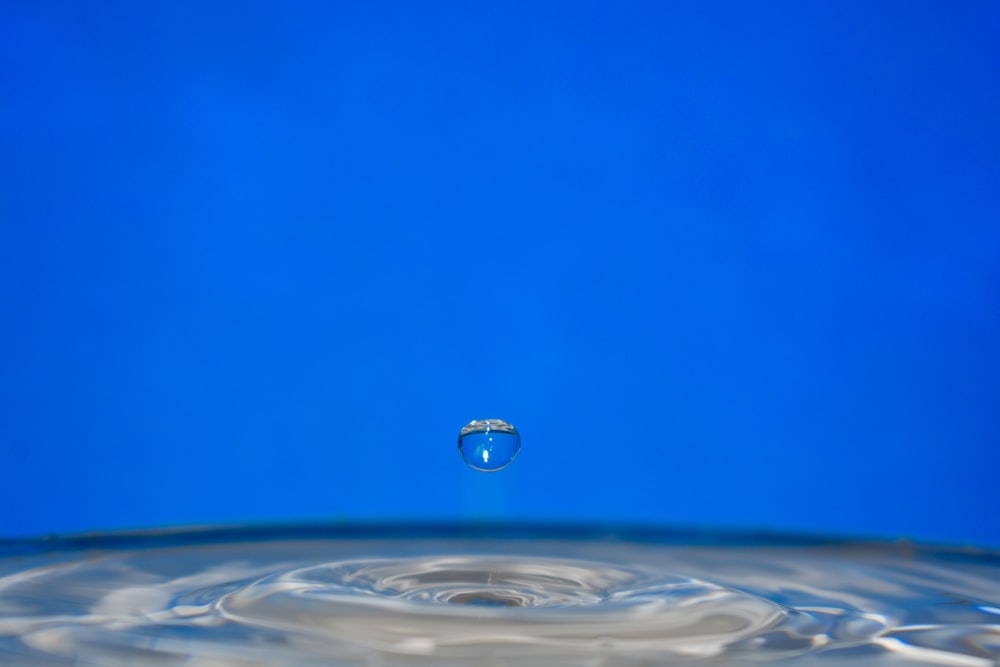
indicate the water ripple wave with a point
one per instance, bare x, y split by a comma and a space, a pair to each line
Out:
211, 599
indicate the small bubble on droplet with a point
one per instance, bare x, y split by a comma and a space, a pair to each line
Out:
489, 445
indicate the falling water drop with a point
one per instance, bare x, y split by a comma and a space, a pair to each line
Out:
489, 445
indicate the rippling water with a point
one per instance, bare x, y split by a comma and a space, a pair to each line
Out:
498, 596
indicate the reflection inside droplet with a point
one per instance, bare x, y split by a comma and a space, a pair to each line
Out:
489, 445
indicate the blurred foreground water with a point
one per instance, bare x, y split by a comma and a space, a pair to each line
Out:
499, 595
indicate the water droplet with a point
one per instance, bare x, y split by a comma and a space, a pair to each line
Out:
489, 445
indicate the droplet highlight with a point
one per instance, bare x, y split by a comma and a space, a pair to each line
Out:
489, 445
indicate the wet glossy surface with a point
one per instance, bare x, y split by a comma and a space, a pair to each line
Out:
508, 595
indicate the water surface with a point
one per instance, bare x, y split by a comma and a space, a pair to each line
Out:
506, 595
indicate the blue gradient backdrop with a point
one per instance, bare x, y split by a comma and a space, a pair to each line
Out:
723, 264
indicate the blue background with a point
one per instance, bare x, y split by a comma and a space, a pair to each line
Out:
723, 264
